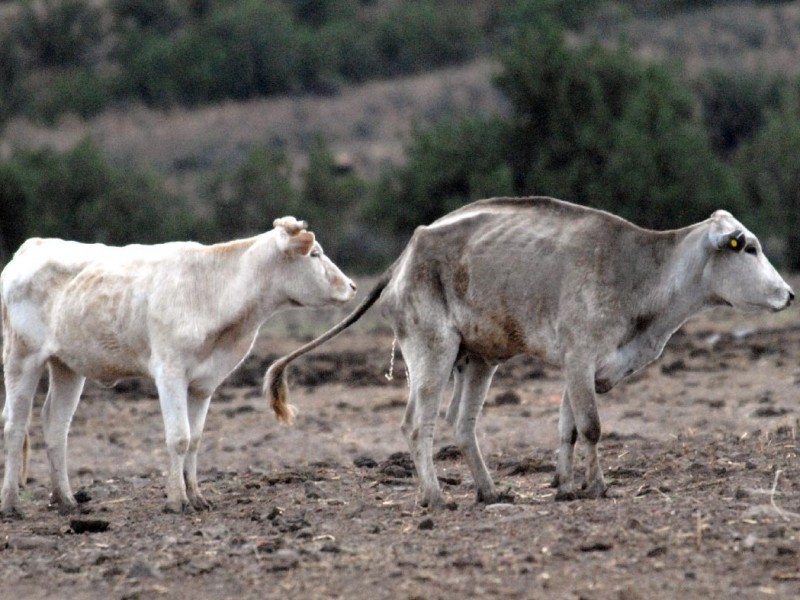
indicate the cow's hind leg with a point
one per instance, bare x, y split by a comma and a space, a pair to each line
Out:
430, 363
22, 374
57, 412
475, 378
198, 409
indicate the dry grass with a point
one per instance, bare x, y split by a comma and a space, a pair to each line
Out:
739, 37
369, 123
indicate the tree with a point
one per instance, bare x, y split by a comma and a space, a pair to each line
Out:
596, 126
247, 200
769, 165
448, 165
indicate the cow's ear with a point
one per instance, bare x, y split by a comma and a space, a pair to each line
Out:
299, 244
735, 240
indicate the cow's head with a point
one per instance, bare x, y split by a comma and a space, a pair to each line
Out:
738, 273
310, 277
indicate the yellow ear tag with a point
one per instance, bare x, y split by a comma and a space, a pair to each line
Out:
734, 243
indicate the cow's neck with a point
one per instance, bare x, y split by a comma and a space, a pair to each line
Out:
680, 291
239, 278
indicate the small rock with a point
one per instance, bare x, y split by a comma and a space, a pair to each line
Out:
82, 496
449, 452
426, 524
31, 543
89, 525
365, 462
508, 398
143, 570
501, 507
750, 542
283, 559
313, 491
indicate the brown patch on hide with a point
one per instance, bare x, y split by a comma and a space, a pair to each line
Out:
232, 247
228, 335
501, 338
461, 281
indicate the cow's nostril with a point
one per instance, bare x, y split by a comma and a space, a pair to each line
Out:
791, 296
354, 288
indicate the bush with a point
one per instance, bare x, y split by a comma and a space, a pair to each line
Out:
79, 195
248, 199
78, 90
769, 167
448, 165
734, 106
420, 35
58, 33
596, 126
11, 73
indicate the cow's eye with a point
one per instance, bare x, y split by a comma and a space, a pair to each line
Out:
315, 254
751, 250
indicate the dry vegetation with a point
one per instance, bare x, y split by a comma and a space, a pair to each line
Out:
369, 125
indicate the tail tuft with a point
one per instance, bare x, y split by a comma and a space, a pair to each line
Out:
275, 386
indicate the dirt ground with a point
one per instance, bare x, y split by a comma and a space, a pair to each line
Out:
700, 451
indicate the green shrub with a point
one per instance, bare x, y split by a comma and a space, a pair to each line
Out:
80, 195
423, 34
246, 200
734, 106
769, 167
58, 33
11, 73
78, 90
448, 165
599, 127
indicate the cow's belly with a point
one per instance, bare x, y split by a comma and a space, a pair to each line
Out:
99, 329
500, 338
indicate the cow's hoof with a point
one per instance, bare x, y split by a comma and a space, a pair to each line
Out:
201, 504
433, 502
11, 514
566, 496
496, 498
595, 491
488, 497
178, 508
64, 506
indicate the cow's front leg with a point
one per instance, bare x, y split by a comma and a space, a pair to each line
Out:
198, 409
583, 405
567, 433
172, 396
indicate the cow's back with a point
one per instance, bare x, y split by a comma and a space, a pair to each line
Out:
510, 272
68, 299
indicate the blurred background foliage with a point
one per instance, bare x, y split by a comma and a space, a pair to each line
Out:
588, 122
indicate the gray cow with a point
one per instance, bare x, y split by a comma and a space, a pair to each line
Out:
573, 286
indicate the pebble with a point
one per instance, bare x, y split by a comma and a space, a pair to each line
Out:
31, 543
283, 559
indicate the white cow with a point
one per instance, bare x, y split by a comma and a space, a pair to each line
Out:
571, 285
182, 313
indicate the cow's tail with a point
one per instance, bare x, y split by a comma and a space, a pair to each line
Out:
275, 377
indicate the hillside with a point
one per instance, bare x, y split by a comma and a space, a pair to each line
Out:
368, 125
